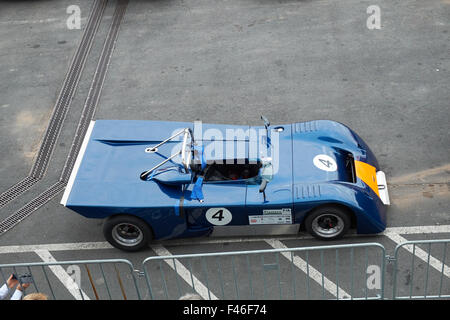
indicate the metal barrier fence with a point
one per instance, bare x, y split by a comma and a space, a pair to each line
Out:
324, 272
423, 272
417, 270
81, 280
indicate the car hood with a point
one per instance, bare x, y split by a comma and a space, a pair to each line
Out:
314, 161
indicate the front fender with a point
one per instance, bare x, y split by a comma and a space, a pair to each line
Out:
369, 211
339, 135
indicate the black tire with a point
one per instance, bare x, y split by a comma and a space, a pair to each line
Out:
127, 232
328, 223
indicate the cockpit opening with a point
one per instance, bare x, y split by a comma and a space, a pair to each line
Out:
238, 170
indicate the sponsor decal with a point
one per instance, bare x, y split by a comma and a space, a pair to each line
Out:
272, 216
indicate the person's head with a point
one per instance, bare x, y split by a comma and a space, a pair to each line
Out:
191, 296
35, 296
245, 173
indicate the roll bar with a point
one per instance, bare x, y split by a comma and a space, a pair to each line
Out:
185, 154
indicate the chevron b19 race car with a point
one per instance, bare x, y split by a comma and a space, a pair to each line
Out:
156, 180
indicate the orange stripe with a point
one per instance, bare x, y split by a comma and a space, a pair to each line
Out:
368, 174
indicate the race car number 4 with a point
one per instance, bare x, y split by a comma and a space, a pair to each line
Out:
325, 162
218, 216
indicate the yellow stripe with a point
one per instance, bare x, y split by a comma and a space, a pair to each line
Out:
368, 174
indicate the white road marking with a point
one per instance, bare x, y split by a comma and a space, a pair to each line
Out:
421, 254
16, 22
56, 247
237, 239
393, 233
417, 230
184, 273
200, 241
62, 275
314, 274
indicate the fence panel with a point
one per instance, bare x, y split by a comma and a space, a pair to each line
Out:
112, 279
353, 271
421, 270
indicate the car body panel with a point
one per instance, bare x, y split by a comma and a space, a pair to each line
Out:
279, 189
367, 174
106, 181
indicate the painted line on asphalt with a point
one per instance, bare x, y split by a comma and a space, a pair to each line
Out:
417, 230
63, 276
185, 274
105, 245
314, 274
421, 254
56, 247
43, 251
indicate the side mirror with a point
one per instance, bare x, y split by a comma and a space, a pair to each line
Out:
266, 122
262, 188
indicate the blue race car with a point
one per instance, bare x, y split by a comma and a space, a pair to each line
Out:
154, 180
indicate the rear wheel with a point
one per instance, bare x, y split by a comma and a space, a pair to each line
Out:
328, 223
127, 233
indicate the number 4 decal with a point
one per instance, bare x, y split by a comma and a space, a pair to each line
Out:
325, 162
218, 216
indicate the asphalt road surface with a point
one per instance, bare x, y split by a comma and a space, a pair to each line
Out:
225, 62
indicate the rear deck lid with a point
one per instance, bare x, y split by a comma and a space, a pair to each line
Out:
111, 159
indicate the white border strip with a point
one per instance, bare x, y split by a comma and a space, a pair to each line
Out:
77, 164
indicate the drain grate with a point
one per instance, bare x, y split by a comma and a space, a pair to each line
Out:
87, 115
95, 89
30, 207
17, 189
62, 105
68, 90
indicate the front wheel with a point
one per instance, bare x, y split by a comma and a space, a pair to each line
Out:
328, 223
127, 233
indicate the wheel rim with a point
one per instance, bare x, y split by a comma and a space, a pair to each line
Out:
328, 225
127, 234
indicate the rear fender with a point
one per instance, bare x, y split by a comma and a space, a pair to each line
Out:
165, 222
